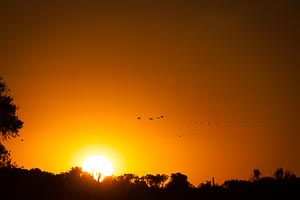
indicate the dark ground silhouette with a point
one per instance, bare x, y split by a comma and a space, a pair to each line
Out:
18, 183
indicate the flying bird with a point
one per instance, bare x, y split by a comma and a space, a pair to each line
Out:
152, 118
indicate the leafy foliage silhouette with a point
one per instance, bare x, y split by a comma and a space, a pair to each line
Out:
10, 124
256, 175
155, 181
178, 181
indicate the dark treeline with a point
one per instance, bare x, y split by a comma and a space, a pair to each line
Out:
18, 183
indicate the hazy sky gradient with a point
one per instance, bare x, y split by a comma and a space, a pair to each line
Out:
82, 72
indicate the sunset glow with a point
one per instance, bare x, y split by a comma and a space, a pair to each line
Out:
206, 88
98, 166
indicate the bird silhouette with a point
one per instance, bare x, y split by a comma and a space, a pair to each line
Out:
152, 118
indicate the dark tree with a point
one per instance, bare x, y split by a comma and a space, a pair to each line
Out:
178, 181
155, 181
279, 173
128, 179
256, 175
10, 124
289, 175
5, 159
74, 173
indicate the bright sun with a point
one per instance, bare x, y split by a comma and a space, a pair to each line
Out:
98, 167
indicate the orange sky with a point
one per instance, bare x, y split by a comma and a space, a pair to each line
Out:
83, 72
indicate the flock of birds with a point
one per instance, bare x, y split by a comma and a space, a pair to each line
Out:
243, 122
201, 122
210, 123
152, 118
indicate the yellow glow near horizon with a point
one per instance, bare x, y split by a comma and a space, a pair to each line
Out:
80, 154
98, 166
82, 87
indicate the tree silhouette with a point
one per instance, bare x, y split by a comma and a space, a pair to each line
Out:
155, 181
74, 173
289, 175
128, 178
5, 159
279, 173
256, 175
10, 124
178, 181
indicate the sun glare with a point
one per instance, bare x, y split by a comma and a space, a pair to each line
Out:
98, 166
